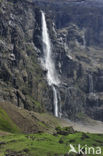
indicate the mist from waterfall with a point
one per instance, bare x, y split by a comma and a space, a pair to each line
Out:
48, 63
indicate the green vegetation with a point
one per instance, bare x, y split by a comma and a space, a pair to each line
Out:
6, 124
46, 144
56, 144
37, 106
65, 130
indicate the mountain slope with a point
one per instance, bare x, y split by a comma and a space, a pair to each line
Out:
6, 124
27, 121
76, 39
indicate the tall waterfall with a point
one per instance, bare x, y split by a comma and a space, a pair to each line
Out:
48, 64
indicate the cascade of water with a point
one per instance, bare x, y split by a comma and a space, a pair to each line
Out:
48, 63
55, 102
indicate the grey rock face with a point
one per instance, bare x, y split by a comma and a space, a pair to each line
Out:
76, 38
22, 81
77, 51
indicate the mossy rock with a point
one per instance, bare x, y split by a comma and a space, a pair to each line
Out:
65, 130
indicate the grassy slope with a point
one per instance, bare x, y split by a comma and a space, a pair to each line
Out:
46, 144
40, 143
29, 121
6, 124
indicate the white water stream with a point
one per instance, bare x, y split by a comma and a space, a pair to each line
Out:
49, 64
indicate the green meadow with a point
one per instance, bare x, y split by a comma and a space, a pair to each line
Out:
46, 144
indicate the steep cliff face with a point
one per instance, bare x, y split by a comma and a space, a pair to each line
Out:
22, 81
75, 29
85, 14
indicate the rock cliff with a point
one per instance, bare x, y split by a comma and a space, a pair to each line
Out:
22, 81
75, 29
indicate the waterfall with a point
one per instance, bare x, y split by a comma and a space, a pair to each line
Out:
55, 102
48, 64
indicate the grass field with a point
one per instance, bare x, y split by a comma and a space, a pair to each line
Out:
46, 144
